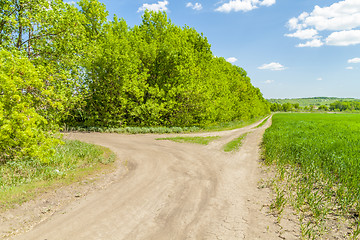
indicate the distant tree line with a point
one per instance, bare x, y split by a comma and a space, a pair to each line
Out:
66, 64
337, 106
313, 101
285, 107
345, 106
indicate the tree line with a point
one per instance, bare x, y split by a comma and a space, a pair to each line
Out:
313, 101
67, 64
345, 106
337, 106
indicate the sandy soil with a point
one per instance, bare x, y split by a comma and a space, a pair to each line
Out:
170, 191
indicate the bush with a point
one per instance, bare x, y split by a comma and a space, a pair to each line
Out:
23, 131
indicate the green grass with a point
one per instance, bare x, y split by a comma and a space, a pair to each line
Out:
134, 130
197, 140
143, 130
317, 157
24, 179
235, 144
230, 125
262, 123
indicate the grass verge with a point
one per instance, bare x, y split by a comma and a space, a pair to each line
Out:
262, 123
230, 125
23, 180
197, 140
235, 144
143, 130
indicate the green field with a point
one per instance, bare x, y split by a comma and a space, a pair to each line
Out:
318, 161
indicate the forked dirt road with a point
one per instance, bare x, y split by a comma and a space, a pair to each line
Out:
172, 191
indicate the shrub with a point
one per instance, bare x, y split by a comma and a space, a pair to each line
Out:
23, 131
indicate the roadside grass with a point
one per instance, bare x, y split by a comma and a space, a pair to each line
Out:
23, 180
196, 140
162, 130
316, 157
230, 125
235, 144
262, 123
134, 130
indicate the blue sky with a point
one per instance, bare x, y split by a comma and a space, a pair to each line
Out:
289, 48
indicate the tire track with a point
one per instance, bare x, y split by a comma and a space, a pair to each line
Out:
171, 191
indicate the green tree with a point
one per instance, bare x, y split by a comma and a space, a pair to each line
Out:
23, 131
323, 108
287, 107
52, 35
160, 74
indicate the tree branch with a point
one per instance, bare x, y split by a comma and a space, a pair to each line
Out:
41, 36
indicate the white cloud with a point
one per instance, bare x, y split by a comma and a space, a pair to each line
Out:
354, 60
269, 81
243, 5
231, 59
304, 34
319, 79
272, 66
196, 6
293, 24
268, 3
339, 20
312, 43
349, 68
344, 38
160, 6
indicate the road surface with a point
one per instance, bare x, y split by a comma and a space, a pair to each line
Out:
171, 191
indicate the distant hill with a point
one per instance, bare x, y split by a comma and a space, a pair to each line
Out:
316, 101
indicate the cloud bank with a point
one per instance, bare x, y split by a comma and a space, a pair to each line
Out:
335, 25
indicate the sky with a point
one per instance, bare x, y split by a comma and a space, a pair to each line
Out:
289, 48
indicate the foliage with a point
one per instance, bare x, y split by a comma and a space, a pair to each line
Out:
332, 105
313, 101
63, 64
235, 144
198, 140
345, 106
323, 108
141, 130
24, 131
285, 107
110, 75
136, 130
53, 36
318, 155
159, 74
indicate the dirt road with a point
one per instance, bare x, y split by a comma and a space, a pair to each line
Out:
171, 191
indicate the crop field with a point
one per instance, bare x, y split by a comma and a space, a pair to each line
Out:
317, 157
